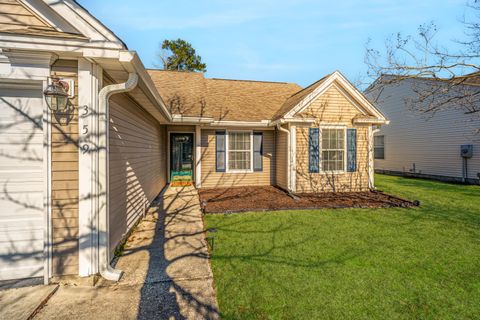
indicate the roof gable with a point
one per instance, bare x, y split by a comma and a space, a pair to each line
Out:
332, 106
55, 19
299, 104
17, 16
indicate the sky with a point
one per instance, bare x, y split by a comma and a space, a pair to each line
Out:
275, 40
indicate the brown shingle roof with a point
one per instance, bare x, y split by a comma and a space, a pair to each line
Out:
191, 94
183, 92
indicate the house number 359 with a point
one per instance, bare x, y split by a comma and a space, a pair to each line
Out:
85, 111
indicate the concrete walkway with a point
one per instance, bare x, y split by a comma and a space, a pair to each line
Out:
167, 274
22, 303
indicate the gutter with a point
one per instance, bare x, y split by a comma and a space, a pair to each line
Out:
371, 159
106, 270
132, 63
279, 127
178, 118
292, 120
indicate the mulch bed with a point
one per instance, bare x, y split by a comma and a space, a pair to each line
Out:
269, 198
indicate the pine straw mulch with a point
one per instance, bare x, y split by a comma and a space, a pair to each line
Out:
270, 198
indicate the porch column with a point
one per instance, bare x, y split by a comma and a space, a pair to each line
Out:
89, 84
293, 157
198, 156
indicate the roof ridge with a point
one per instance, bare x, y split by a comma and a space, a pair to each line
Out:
311, 85
247, 80
176, 71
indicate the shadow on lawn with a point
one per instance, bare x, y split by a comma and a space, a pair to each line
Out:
444, 202
268, 254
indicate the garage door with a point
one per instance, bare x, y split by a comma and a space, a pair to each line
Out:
21, 183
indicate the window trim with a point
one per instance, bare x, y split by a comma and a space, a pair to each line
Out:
227, 150
374, 147
334, 126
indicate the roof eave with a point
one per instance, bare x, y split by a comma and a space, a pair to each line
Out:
370, 121
178, 118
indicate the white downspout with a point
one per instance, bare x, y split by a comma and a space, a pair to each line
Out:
279, 127
105, 268
371, 160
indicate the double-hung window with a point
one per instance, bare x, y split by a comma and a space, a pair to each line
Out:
379, 147
239, 151
333, 149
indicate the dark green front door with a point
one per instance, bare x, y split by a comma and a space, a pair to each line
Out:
181, 158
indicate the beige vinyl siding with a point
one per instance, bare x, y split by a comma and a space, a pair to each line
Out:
281, 159
211, 178
14, 15
137, 163
332, 108
65, 179
430, 141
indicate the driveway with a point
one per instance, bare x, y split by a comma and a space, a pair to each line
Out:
167, 274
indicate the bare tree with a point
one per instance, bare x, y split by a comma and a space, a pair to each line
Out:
449, 78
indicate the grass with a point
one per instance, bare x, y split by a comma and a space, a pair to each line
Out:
421, 263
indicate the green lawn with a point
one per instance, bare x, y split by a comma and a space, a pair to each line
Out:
421, 263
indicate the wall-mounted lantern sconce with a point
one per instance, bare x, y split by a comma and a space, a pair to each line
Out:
57, 94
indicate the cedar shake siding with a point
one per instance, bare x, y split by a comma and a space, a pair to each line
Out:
14, 16
138, 164
211, 178
17, 18
65, 178
332, 108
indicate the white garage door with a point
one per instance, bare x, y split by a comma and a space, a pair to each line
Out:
21, 183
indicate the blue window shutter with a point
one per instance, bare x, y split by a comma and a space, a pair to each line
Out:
351, 150
313, 150
258, 151
220, 151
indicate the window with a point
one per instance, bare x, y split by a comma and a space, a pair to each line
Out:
333, 149
239, 151
379, 147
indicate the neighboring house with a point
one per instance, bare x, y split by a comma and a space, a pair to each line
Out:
424, 144
75, 180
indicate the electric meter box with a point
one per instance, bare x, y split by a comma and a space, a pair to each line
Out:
466, 150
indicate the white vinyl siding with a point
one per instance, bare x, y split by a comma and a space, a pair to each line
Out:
425, 143
21, 183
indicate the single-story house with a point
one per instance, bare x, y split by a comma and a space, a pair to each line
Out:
89, 137
426, 144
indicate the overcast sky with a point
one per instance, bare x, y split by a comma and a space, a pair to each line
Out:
276, 40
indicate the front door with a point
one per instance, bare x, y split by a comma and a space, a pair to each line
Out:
181, 159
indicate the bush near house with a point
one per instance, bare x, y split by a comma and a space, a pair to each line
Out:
421, 263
